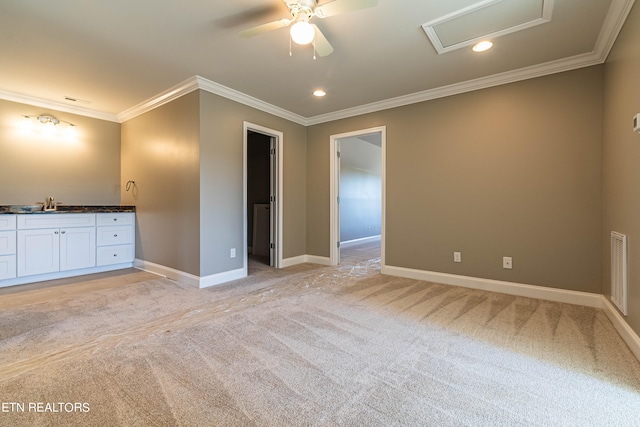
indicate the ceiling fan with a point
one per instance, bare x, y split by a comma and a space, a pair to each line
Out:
302, 11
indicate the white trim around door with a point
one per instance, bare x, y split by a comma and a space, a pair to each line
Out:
279, 136
334, 190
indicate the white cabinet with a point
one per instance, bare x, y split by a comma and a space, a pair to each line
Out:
38, 251
116, 238
51, 243
8, 242
7, 247
46, 246
7, 222
77, 248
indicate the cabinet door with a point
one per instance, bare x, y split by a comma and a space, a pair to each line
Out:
7, 267
7, 242
7, 222
38, 251
77, 248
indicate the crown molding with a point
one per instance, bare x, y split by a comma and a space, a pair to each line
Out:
162, 98
234, 95
617, 15
197, 82
611, 27
567, 64
55, 105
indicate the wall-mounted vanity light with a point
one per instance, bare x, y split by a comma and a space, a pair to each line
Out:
49, 122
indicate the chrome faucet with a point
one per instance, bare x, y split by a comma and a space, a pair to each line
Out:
49, 204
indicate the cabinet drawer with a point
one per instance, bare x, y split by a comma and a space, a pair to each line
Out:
31, 221
115, 254
116, 235
122, 218
7, 222
7, 242
7, 267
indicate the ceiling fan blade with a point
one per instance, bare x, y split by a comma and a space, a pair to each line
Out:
270, 26
323, 47
246, 17
337, 7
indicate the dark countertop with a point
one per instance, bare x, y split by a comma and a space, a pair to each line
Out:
35, 209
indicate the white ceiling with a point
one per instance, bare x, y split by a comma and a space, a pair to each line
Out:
119, 54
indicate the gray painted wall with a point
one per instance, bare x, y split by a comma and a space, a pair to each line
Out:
221, 213
621, 152
33, 166
513, 170
186, 158
160, 151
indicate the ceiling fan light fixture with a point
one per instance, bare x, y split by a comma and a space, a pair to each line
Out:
482, 46
302, 33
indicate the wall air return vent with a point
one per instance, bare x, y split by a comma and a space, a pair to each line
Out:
619, 271
486, 19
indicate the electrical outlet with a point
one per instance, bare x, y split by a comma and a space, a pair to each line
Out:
457, 257
232, 253
507, 262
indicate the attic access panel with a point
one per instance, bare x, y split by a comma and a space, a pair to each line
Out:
486, 20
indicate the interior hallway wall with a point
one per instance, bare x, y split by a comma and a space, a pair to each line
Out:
186, 158
621, 152
513, 170
160, 151
221, 226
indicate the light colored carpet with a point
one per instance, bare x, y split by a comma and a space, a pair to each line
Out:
306, 346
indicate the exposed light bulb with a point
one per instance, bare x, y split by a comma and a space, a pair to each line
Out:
302, 32
27, 123
482, 46
49, 127
71, 132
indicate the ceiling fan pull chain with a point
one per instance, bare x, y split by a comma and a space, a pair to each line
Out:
314, 47
290, 54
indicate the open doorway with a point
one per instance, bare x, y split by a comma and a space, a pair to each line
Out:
357, 191
262, 196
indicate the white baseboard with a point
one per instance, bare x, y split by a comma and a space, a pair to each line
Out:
63, 274
352, 242
168, 272
220, 278
301, 259
288, 262
322, 260
190, 279
628, 335
519, 289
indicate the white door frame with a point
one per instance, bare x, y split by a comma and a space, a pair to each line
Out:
279, 136
334, 190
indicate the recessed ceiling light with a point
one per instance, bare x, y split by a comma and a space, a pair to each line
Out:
482, 46
319, 93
